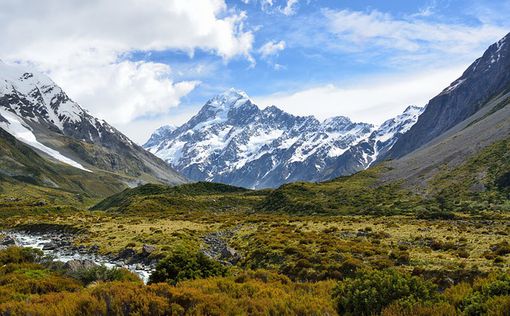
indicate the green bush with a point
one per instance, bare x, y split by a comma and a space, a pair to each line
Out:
486, 291
368, 293
105, 274
20, 255
184, 265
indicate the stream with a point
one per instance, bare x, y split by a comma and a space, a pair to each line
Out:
65, 254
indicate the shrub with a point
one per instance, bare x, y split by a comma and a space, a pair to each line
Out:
20, 255
501, 249
368, 293
184, 265
494, 288
105, 274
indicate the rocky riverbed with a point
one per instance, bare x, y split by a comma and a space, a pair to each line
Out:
58, 245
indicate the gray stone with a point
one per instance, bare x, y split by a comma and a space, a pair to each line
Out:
49, 246
7, 241
76, 265
147, 250
126, 254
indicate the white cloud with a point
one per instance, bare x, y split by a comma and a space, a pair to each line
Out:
146, 126
82, 45
410, 34
290, 7
271, 48
370, 101
59, 28
121, 92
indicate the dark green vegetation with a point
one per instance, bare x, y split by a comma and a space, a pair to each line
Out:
185, 265
480, 183
184, 198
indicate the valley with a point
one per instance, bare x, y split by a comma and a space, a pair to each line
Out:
268, 249
248, 210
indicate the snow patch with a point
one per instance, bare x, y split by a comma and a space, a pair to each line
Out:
16, 128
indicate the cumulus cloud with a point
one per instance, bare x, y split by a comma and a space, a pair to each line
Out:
370, 101
85, 45
271, 48
121, 92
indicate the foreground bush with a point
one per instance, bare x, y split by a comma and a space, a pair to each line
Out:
184, 265
489, 296
20, 255
104, 274
252, 293
368, 293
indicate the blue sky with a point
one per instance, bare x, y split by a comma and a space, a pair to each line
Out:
364, 59
314, 56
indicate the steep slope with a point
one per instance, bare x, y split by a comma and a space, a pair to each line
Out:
419, 169
232, 141
22, 170
477, 110
38, 113
487, 78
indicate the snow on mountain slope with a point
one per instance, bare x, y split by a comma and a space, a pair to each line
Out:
231, 140
13, 125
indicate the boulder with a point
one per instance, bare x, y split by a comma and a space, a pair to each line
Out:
76, 265
147, 250
230, 255
49, 246
126, 253
7, 241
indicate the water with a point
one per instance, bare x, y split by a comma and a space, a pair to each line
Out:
65, 254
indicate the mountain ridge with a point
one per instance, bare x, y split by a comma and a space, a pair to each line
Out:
486, 78
231, 140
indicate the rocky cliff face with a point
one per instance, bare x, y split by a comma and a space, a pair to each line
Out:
232, 141
488, 77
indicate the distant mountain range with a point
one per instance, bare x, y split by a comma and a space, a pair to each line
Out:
39, 114
233, 141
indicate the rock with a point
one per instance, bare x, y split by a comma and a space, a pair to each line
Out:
229, 254
76, 265
147, 250
7, 241
94, 248
126, 254
49, 246
39, 203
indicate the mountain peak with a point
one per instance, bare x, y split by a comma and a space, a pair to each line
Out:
413, 109
229, 99
166, 129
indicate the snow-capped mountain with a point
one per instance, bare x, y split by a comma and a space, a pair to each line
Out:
39, 113
232, 141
